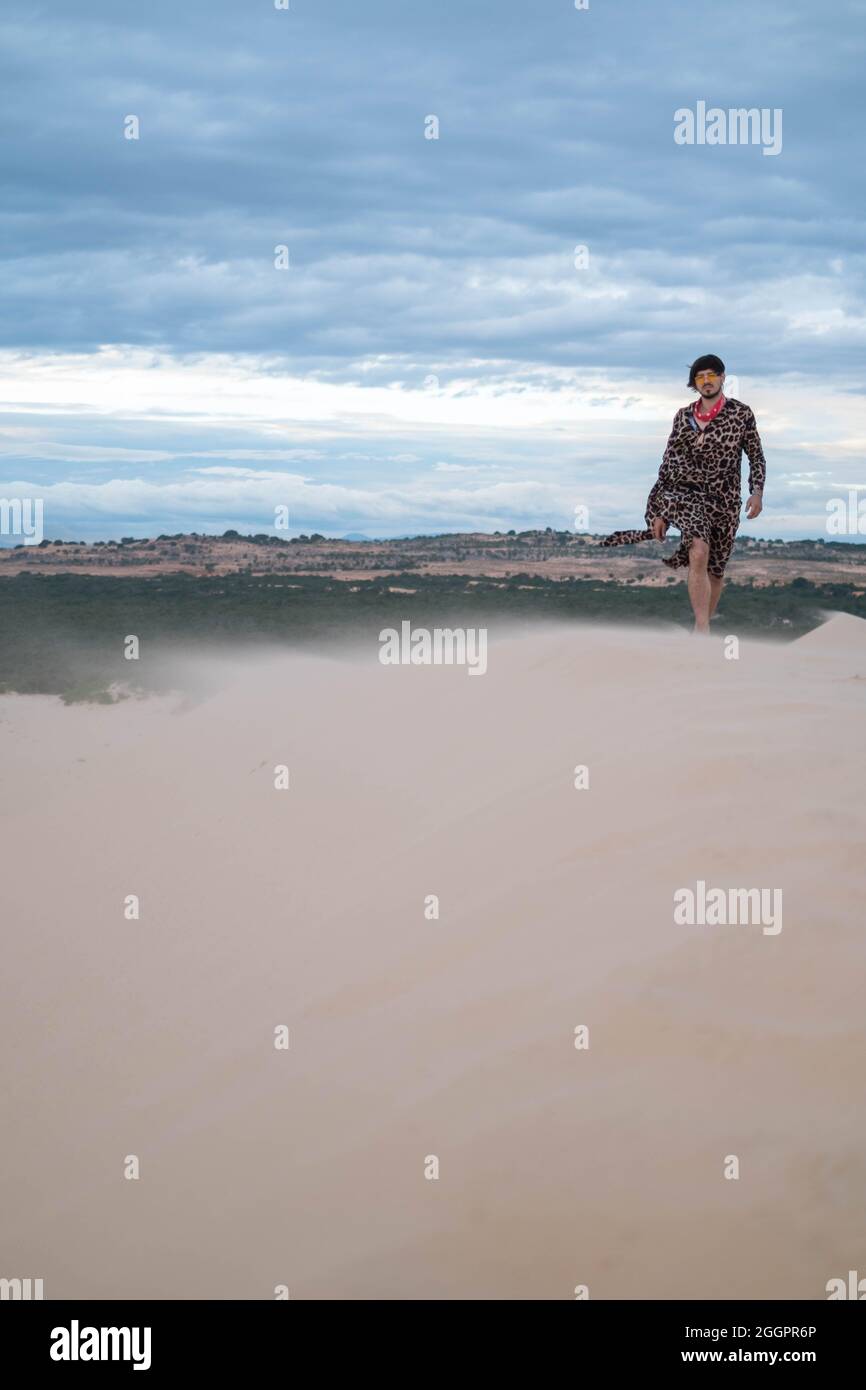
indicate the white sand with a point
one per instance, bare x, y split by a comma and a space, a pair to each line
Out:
453, 1037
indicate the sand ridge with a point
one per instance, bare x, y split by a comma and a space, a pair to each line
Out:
453, 1037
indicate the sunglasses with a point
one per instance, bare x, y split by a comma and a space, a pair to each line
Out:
707, 376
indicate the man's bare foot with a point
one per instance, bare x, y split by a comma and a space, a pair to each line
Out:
703, 628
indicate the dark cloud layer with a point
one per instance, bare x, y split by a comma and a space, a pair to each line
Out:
261, 127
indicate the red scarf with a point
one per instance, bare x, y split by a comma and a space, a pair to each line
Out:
712, 412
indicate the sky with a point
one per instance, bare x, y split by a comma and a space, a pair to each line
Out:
338, 268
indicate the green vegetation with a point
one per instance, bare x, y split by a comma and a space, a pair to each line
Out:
63, 634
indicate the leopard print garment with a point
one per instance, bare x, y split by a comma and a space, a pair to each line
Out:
698, 487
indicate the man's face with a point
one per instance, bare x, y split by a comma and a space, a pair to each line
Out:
709, 383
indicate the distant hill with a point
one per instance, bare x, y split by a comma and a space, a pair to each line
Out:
525, 555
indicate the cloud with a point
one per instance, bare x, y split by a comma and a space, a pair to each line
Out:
432, 312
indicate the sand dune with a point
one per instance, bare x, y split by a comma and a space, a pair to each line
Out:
841, 633
453, 1037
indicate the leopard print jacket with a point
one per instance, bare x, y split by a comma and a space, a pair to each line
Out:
698, 487
710, 459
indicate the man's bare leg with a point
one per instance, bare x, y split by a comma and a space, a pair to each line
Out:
699, 584
716, 582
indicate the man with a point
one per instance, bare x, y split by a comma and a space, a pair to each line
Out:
698, 487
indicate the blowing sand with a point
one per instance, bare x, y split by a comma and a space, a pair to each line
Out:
454, 1037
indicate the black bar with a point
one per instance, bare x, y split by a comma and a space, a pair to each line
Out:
221, 1338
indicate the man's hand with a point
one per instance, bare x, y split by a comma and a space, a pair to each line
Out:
754, 506
659, 528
